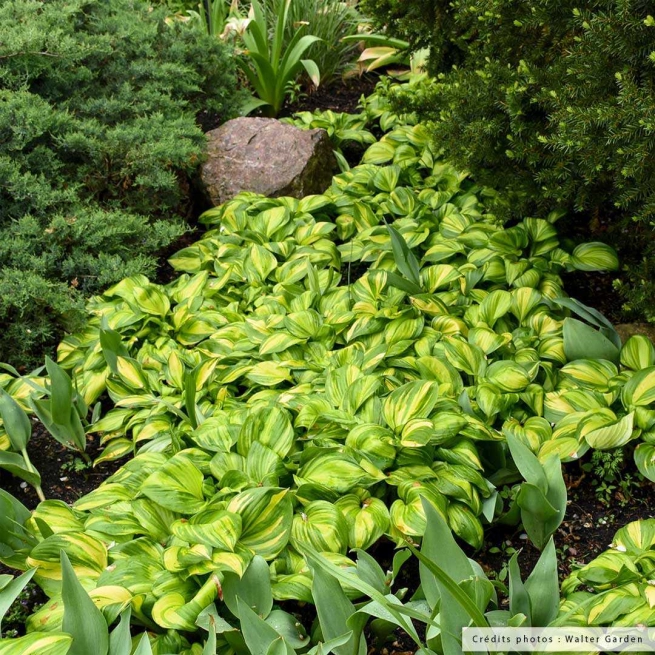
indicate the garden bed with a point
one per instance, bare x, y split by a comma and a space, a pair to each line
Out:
279, 408
586, 532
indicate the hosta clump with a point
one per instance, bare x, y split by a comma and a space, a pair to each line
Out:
274, 408
616, 588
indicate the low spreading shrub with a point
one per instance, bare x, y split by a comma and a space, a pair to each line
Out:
98, 142
551, 102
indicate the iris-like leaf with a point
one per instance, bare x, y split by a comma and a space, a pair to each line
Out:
405, 259
82, 619
16, 422
253, 589
584, 342
10, 590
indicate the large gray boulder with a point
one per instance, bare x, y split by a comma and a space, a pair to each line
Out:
268, 157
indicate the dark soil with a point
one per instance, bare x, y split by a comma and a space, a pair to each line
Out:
64, 474
339, 97
343, 98
165, 272
591, 520
595, 290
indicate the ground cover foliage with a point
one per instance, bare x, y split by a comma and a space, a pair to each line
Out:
549, 101
321, 369
98, 142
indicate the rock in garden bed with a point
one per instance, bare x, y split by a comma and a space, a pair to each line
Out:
268, 157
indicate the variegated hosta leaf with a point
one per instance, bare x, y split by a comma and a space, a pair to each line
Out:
215, 434
446, 426
217, 528
266, 518
494, 306
588, 374
612, 436
374, 442
638, 353
87, 555
407, 513
533, 433
269, 374
338, 471
152, 300
639, 391
367, 518
410, 401
487, 339
465, 524
322, 526
645, 460
611, 567
131, 373
465, 356
259, 264
116, 449
508, 376
174, 612
37, 643
57, 515
417, 432
271, 426
635, 538
594, 256
619, 602
112, 600
176, 486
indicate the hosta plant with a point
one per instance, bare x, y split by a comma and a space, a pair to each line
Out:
616, 588
342, 129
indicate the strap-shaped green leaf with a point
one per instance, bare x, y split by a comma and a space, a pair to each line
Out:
82, 619
16, 422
